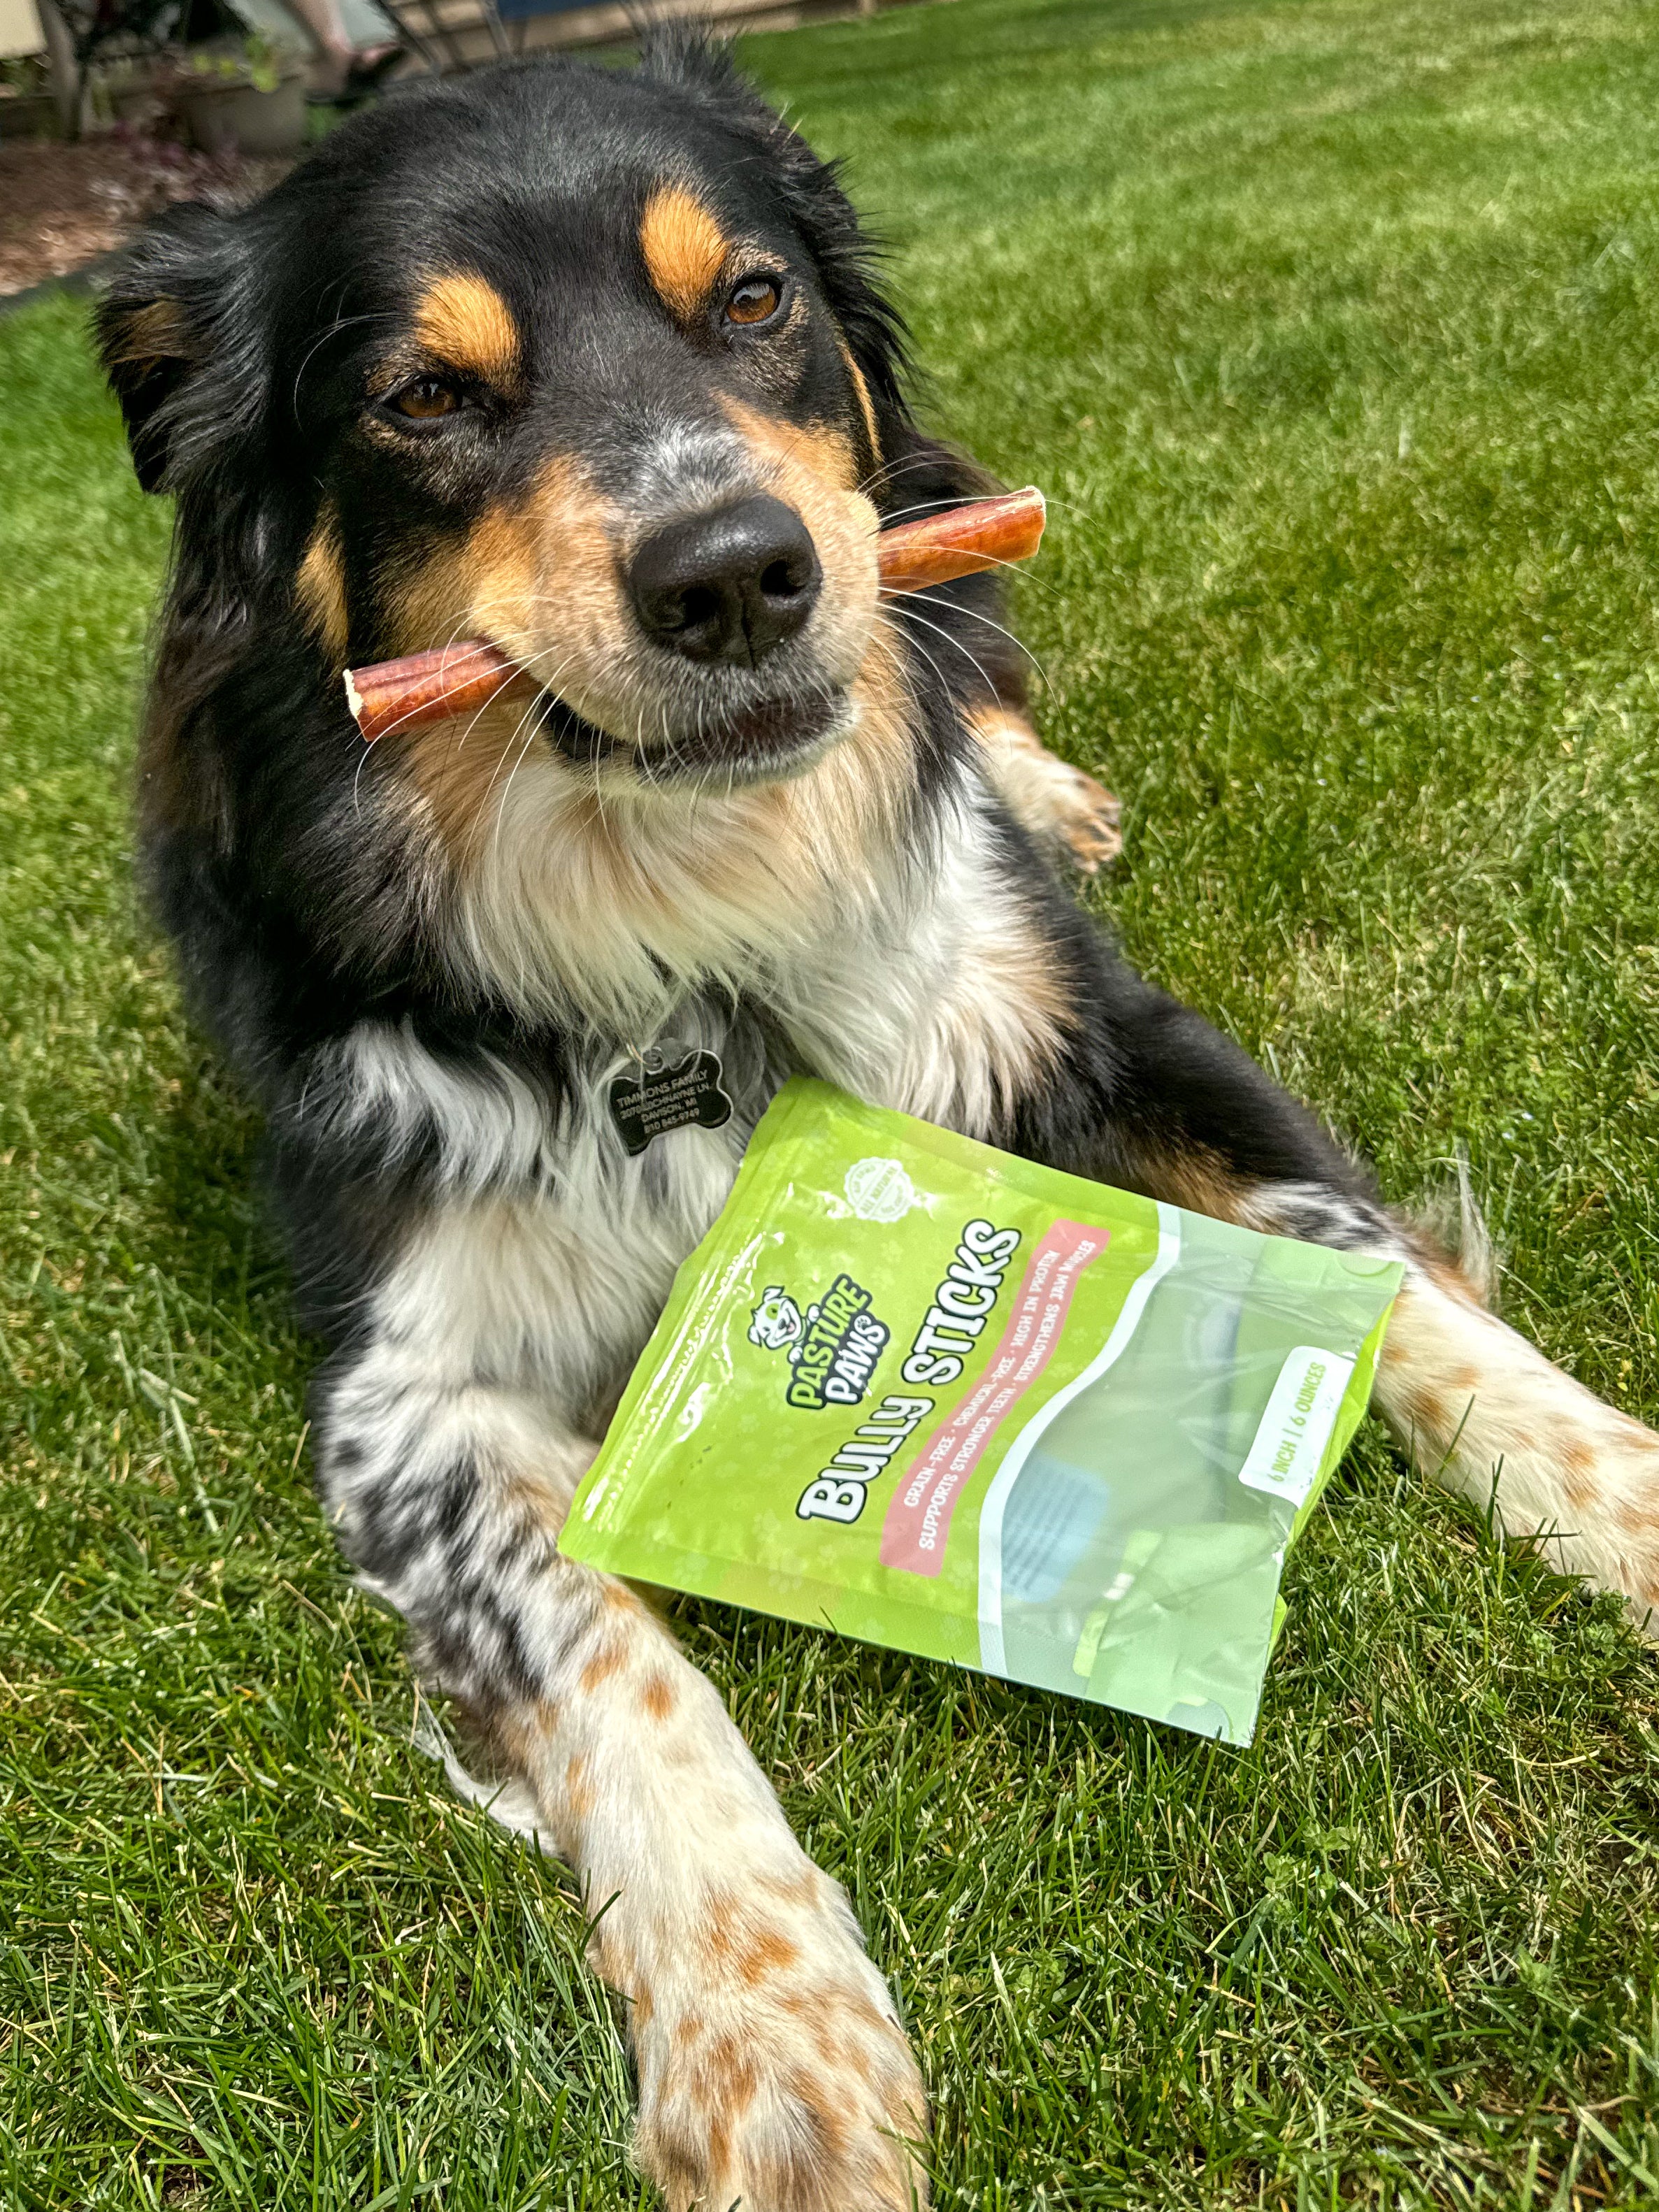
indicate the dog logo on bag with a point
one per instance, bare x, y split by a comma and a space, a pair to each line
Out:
833, 1347
777, 1324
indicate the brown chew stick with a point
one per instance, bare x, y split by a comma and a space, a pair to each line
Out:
458, 679
426, 687
941, 547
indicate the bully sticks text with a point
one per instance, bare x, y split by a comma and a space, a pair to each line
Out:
457, 679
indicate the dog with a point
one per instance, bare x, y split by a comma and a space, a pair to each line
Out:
595, 364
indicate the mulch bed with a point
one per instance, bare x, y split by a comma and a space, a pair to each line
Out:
63, 205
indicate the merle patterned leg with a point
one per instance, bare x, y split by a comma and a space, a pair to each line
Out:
772, 2067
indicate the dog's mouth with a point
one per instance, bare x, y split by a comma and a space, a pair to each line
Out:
746, 742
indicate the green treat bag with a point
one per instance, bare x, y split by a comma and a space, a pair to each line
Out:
923, 1393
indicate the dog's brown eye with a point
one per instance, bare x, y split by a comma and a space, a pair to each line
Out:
756, 299
425, 399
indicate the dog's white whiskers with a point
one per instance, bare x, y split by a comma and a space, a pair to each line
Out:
905, 610
891, 472
939, 631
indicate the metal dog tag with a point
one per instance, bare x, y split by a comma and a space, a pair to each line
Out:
675, 1088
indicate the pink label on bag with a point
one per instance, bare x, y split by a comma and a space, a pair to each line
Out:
918, 1521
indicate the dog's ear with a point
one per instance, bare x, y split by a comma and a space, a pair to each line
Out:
176, 334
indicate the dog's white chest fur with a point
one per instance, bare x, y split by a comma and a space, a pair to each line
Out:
548, 1251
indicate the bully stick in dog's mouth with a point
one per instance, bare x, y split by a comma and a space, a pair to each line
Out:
593, 364
458, 679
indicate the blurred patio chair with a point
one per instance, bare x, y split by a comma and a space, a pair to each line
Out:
449, 35
460, 34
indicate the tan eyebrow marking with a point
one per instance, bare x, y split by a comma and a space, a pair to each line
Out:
685, 249
466, 323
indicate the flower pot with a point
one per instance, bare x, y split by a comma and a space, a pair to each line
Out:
239, 118
28, 115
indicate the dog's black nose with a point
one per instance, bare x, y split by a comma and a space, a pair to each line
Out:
729, 586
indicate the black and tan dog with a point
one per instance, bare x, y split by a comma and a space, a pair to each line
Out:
593, 365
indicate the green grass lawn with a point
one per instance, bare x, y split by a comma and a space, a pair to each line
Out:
1332, 328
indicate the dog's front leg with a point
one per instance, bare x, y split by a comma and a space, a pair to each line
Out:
1487, 1414
772, 2067
1483, 1412
1189, 1118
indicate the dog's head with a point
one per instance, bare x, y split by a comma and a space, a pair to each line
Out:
591, 364
587, 364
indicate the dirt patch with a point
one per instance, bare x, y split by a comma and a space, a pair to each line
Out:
61, 205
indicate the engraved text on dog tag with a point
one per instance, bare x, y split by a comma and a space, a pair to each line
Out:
673, 1088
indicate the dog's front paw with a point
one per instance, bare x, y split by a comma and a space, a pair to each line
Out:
1059, 804
781, 2080
1608, 1521
1090, 822
1486, 1413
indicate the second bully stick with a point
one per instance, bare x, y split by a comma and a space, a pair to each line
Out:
457, 679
